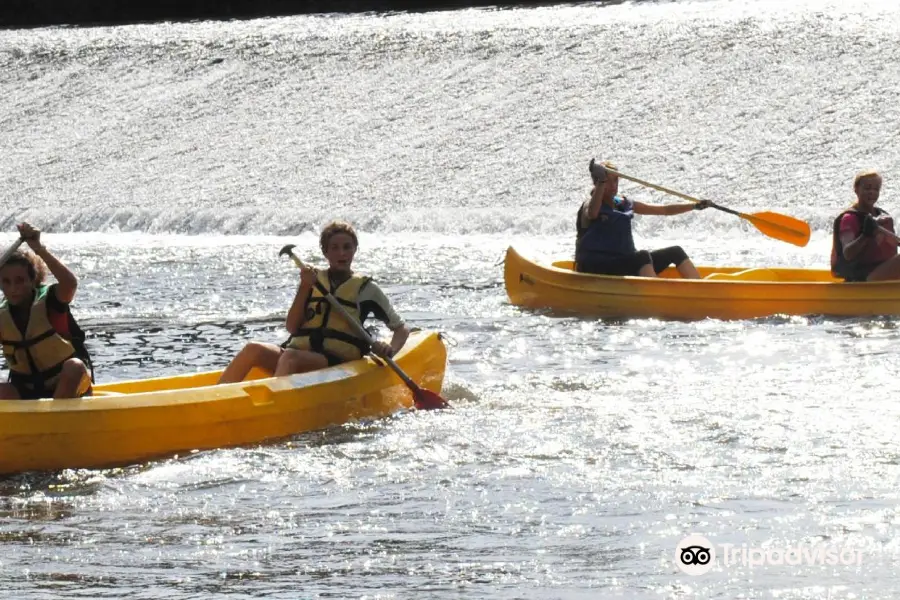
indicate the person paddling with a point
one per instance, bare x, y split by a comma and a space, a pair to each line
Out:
860, 251
42, 343
604, 242
319, 335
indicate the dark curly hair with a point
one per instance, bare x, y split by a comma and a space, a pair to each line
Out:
36, 268
334, 228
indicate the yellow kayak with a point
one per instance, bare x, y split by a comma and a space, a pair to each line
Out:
722, 293
131, 421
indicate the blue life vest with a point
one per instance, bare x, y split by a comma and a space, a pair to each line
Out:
607, 236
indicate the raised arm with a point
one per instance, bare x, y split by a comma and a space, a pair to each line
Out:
67, 282
596, 202
599, 177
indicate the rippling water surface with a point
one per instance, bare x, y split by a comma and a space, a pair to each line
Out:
169, 163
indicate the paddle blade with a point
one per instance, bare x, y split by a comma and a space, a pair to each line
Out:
781, 227
428, 400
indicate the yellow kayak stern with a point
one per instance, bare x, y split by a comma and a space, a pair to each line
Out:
132, 421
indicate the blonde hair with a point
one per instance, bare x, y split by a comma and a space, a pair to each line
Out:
864, 174
334, 228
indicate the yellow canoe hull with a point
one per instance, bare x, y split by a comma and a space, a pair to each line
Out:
723, 293
132, 421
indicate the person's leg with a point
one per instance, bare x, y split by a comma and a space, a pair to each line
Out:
637, 263
674, 255
646, 271
299, 361
9, 392
254, 354
687, 269
601, 266
72, 379
886, 271
641, 264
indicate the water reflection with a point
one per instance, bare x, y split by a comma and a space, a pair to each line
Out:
141, 348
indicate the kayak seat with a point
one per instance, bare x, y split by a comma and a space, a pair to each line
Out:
745, 275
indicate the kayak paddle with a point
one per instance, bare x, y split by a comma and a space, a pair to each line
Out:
775, 225
424, 399
12, 250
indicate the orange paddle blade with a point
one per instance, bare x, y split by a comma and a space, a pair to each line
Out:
428, 400
781, 227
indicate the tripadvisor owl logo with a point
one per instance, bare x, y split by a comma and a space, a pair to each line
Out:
695, 555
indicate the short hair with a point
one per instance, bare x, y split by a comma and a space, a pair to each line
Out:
863, 174
334, 228
36, 268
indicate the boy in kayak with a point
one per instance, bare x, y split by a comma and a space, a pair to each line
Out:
319, 335
860, 251
42, 343
604, 244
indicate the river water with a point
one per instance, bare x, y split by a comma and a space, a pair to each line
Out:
169, 163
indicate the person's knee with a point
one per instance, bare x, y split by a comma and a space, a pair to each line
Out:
73, 368
886, 271
259, 353
75, 377
254, 348
678, 255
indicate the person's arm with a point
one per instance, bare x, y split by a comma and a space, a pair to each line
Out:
54, 304
885, 237
853, 237
854, 245
592, 210
599, 176
67, 283
667, 209
401, 334
372, 300
297, 313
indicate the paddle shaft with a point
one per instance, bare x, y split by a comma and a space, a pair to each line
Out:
778, 226
360, 330
672, 192
12, 250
